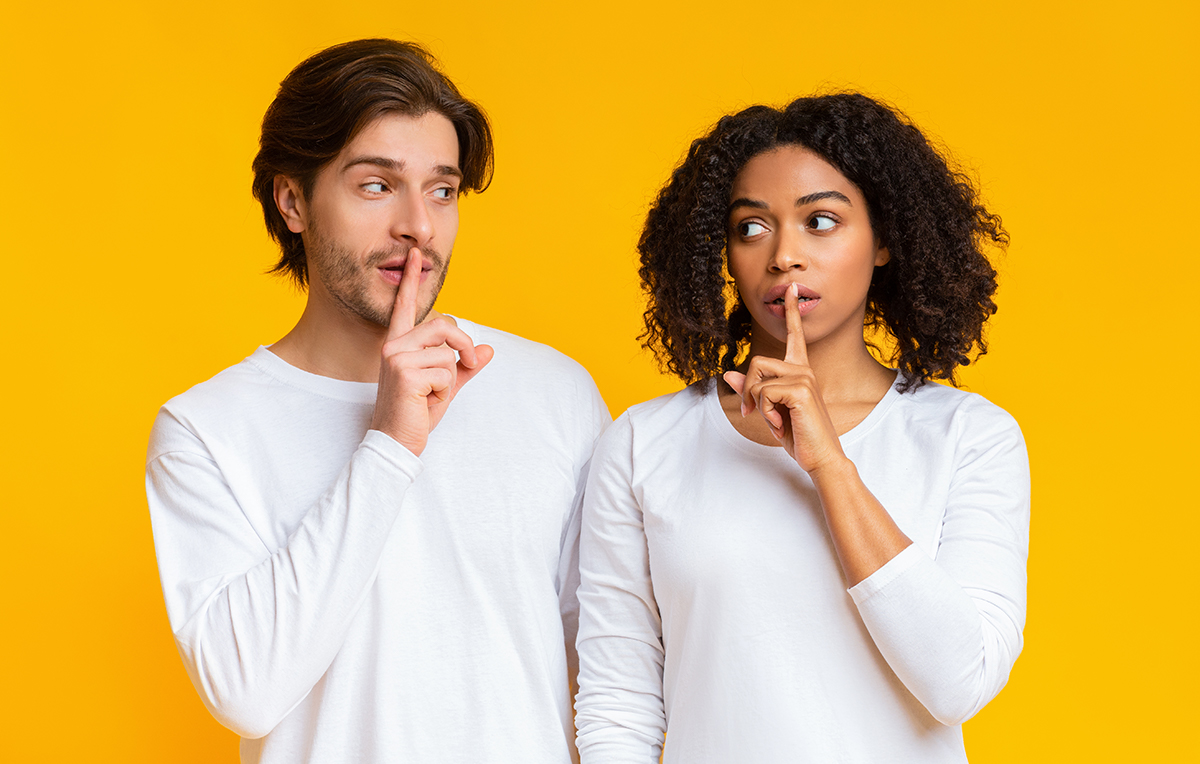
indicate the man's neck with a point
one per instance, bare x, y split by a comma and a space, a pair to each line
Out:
333, 343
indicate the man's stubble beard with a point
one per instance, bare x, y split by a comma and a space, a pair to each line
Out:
348, 282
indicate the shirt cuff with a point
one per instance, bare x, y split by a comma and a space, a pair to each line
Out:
393, 453
908, 558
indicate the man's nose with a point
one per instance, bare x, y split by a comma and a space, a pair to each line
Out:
411, 220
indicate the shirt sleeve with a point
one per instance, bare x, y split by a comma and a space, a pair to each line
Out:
950, 625
258, 627
597, 420
619, 710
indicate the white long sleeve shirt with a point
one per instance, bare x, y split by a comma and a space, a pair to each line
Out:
337, 599
714, 609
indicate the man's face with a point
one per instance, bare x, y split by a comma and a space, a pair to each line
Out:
392, 188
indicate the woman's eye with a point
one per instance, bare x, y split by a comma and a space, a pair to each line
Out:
822, 223
751, 228
375, 187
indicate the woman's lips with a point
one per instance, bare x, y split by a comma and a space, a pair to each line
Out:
777, 292
775, 296
779, 310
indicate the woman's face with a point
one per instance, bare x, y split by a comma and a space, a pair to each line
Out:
795, 219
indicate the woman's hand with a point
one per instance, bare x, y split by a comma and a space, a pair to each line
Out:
786, 392
787, 395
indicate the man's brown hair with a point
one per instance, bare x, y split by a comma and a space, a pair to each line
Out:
324, 103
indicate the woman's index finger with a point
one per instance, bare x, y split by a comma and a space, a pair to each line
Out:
797, 350
404, 311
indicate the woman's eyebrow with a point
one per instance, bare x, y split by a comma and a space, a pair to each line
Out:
744, 202
817, 196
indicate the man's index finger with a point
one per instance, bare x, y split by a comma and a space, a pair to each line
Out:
404, 312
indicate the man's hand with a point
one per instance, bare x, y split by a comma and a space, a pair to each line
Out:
419, 374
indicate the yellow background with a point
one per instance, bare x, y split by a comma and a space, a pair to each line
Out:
133, 259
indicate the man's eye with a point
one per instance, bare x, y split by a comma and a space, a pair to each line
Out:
822, 222
375, 187
751, 228
444, 193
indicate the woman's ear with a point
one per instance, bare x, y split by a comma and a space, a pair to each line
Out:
290, 201
882, 256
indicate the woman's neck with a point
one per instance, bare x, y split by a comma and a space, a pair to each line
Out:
851, 382
845, 370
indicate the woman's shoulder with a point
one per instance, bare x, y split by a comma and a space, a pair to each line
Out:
967, 412
667, 409
670, 416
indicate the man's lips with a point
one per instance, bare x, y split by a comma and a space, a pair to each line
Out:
397, 263
393, 269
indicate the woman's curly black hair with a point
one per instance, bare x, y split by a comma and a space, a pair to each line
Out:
934, 294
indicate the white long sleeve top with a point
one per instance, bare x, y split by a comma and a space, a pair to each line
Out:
714, 609
337, 599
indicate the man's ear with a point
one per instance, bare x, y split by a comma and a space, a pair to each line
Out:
290, 201
882, 256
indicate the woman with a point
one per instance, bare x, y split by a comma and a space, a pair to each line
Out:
806, 555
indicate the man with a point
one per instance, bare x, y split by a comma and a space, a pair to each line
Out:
367, 532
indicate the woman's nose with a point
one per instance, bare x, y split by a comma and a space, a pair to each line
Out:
789, 251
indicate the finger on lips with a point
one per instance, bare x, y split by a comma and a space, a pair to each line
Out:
797, 350
404, 310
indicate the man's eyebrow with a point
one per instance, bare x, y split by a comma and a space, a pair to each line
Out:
819, 195
398, 165
385, 162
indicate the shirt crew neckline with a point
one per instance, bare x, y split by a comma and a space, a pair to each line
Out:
339, 389
725, 428
275, 367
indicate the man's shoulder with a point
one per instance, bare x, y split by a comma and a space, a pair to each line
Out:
184, 421
516, 355
538, 385
225, 388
